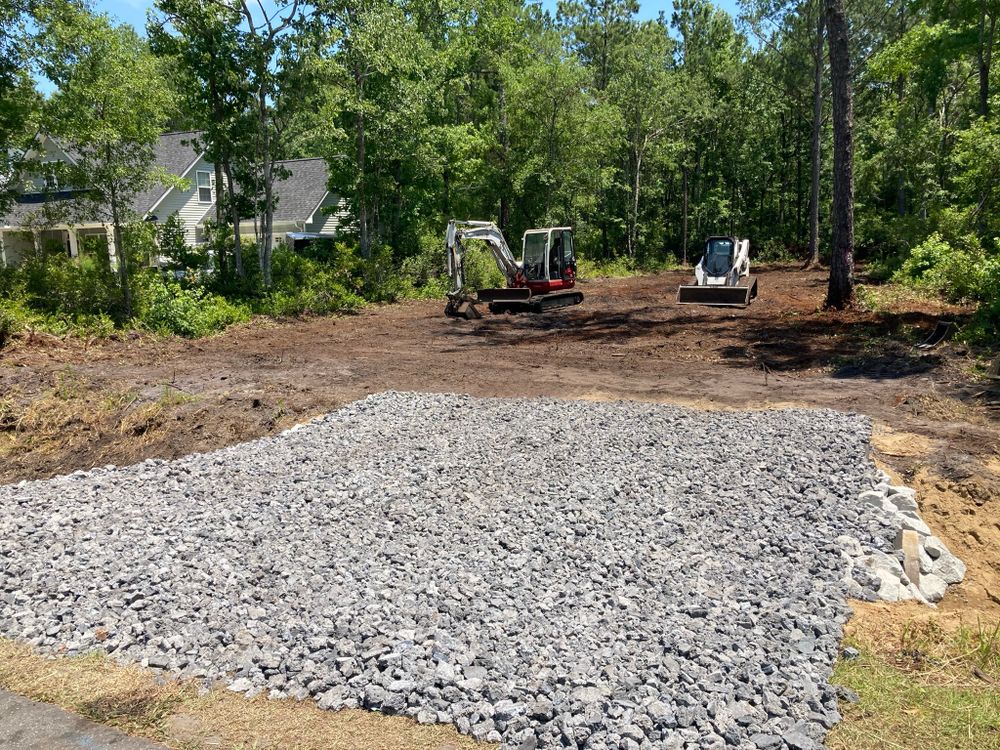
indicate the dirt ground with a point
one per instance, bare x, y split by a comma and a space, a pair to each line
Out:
67, 404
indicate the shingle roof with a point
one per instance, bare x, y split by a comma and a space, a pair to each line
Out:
299, 195
174, 154
301, 192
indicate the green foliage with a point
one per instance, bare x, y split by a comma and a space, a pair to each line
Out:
479, 268
957, 272
774, 250
179, 256
304, 285
166, 307
425, 271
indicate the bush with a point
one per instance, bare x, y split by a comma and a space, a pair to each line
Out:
168, 308
616, 268
302, 285
774, 250
957, 272
425, 272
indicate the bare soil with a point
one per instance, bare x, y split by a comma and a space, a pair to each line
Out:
67, 404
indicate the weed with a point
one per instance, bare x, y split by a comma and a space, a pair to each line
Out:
934, 690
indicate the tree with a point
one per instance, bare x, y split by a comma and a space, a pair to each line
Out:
108, 109
379, 75
20, 103
643, 93
202, 41
841, 288
816, 152
267, 62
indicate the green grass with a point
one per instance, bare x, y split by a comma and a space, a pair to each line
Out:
932, 691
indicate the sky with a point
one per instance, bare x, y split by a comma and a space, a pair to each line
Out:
134, 11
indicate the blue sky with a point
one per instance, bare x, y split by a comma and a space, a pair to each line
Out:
134, 11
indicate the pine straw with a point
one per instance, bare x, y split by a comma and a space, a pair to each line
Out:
142, 703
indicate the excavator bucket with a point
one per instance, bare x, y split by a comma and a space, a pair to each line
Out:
462, 307
718, 296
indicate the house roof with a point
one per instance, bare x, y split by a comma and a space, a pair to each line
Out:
300, 194
175, 155
304, 189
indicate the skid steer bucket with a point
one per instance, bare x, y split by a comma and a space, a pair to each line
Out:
718, 296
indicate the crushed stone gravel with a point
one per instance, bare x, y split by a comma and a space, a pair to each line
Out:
540, 573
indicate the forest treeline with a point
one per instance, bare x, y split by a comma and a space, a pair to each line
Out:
645, 135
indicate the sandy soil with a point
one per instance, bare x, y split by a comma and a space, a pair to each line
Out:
70, 404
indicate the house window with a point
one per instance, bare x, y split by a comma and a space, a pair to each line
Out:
205, 187
51, 182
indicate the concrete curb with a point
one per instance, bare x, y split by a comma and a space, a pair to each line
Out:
29, 725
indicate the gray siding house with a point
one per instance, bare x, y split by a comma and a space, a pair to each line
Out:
305, 207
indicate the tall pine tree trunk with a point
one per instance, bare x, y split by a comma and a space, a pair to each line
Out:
987, 31
504, 158
684, 219
234, 214
840, 293
817, 138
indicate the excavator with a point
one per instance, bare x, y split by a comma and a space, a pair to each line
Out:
542, 280
722, 277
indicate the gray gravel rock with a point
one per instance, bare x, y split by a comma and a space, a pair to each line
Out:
534, 571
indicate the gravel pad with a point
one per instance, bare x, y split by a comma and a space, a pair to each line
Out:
539, 572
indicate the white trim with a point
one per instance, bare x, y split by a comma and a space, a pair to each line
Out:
167, 192
62, 148
208, 187
311, 215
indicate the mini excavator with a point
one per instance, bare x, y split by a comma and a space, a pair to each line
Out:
542, 280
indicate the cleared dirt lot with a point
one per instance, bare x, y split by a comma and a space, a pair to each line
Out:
68, 404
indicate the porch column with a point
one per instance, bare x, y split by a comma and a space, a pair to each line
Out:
74, 244
3, 251
36, 242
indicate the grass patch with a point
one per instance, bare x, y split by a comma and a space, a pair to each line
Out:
177, 714
930, 689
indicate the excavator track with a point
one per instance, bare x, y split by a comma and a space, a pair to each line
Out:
537, 304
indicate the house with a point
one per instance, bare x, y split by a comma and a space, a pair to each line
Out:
304, 206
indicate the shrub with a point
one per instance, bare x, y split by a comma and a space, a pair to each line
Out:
958, 272
168, 308
773, 250
425, 272
303, 285
616, 268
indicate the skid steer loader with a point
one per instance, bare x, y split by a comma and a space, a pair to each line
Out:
722, 277
542, 280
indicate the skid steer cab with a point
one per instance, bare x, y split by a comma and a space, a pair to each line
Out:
544, 278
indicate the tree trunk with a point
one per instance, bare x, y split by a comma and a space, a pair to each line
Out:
504, 158
987, 30
633, 229
684, 220
120, 253
234, 213
840, 293
267, 220
219, 217
817, 136
359, 137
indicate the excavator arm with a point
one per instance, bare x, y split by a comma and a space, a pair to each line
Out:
488, 232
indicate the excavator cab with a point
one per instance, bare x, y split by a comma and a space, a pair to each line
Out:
548, 259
